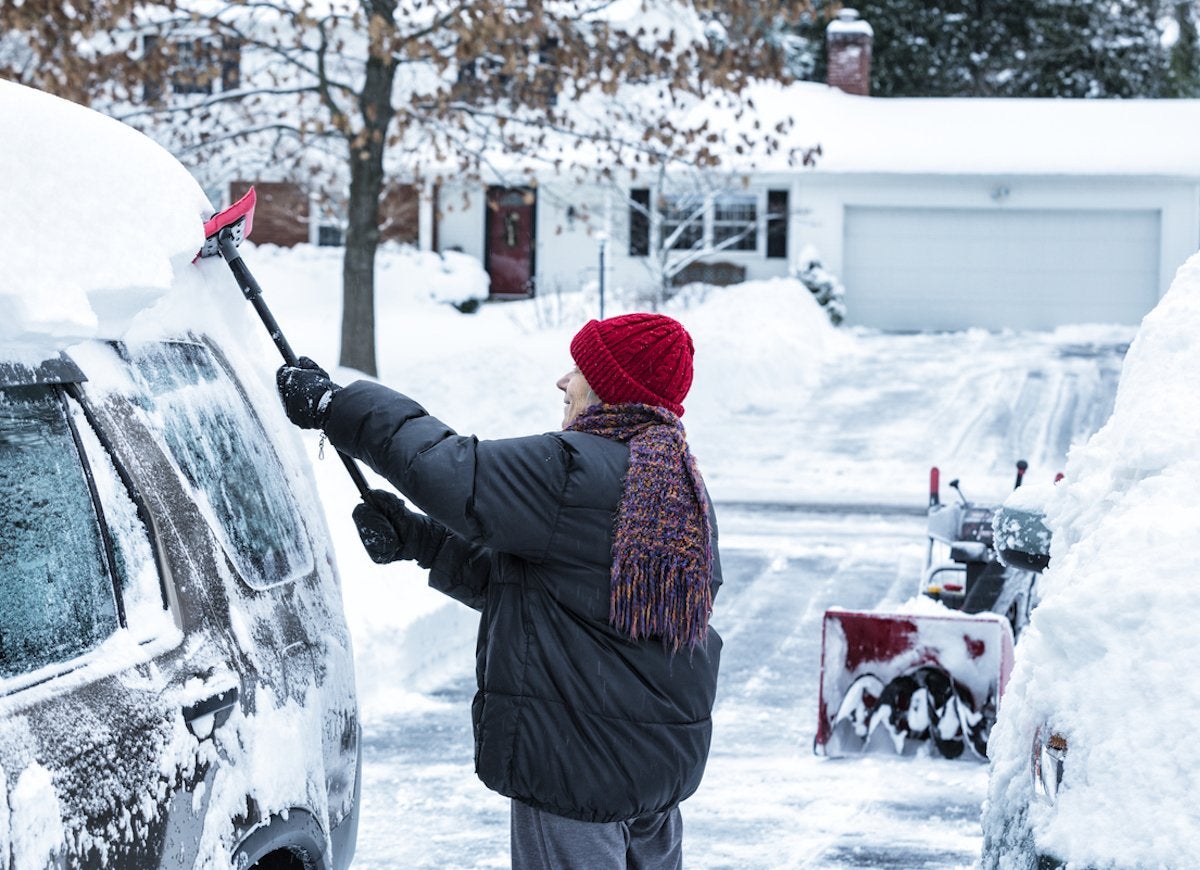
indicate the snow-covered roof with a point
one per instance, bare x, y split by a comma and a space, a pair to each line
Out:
983, 135
896, 136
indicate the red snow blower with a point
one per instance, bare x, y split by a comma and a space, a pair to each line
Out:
223, 232
929, 682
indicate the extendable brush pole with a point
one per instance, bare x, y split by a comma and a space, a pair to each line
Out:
227, 243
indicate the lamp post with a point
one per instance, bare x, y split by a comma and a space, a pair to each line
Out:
603, 239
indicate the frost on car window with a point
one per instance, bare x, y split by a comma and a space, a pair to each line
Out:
134, 563
225, 456
56, 596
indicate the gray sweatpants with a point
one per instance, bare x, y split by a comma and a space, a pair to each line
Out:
544, 841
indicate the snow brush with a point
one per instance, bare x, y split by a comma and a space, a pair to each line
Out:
223, 232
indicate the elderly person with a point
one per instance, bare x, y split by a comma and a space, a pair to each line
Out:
591, 554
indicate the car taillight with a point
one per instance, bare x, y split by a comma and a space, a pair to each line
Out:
1048, 763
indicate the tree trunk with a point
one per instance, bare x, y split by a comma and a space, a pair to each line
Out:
358, 265
366, 190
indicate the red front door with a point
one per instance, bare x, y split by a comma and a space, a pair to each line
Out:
509, 225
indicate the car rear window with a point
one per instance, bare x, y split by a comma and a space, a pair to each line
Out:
222, 451
56, 592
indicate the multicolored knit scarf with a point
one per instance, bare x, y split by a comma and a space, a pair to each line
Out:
662, 548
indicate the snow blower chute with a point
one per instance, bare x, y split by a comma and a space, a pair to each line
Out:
223, 232
929, 680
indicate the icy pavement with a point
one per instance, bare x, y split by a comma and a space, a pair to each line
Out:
766, 800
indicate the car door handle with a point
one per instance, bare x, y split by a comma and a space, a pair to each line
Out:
210, 713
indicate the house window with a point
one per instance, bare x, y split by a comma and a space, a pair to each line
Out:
683, 222
721, 222
329, 236
201, 65
524, 73
193, 69
735, 223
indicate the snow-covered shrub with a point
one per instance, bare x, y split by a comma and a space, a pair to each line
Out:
825, 286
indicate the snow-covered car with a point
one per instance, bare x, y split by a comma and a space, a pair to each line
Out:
1093, 760
176, 676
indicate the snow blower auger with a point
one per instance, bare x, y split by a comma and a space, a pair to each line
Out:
908, 683
929, 681
223, 232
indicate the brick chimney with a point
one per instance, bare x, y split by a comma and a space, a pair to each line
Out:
848, 40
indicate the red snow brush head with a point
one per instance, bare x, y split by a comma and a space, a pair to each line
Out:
642, 358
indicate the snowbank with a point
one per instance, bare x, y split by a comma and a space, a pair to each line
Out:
97, 220
1106, 659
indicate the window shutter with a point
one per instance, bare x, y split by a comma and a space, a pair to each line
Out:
152, 86
231, 63
777, 224
639, 222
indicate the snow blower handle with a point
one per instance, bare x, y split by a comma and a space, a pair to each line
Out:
1022, 467
227, 243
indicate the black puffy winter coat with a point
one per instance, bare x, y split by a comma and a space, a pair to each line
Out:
570, 717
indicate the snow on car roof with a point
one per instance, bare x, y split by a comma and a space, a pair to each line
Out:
97, 223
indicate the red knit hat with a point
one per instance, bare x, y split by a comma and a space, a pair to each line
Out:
643, 358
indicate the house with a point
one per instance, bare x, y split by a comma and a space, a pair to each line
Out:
943, 213
936, 213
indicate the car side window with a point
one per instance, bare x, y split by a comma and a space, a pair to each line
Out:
142, 595
223, 453
56, 590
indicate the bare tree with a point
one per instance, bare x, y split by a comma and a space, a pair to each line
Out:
349, 92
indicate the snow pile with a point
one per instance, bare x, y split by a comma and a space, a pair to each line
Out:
1106, 659
759, 345
403, 274
97, 219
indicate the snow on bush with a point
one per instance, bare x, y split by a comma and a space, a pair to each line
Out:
825, 286
1107, 656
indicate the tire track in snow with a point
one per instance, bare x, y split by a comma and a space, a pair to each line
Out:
767, 801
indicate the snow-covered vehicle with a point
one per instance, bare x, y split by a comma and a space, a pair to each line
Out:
176, 676
1093, 761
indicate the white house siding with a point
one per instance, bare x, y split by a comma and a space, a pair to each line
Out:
950, 252
567, 247
460, 220
915, 252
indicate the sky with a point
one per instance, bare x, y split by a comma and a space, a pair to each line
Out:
785, 408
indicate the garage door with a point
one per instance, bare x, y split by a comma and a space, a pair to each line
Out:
920, 269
